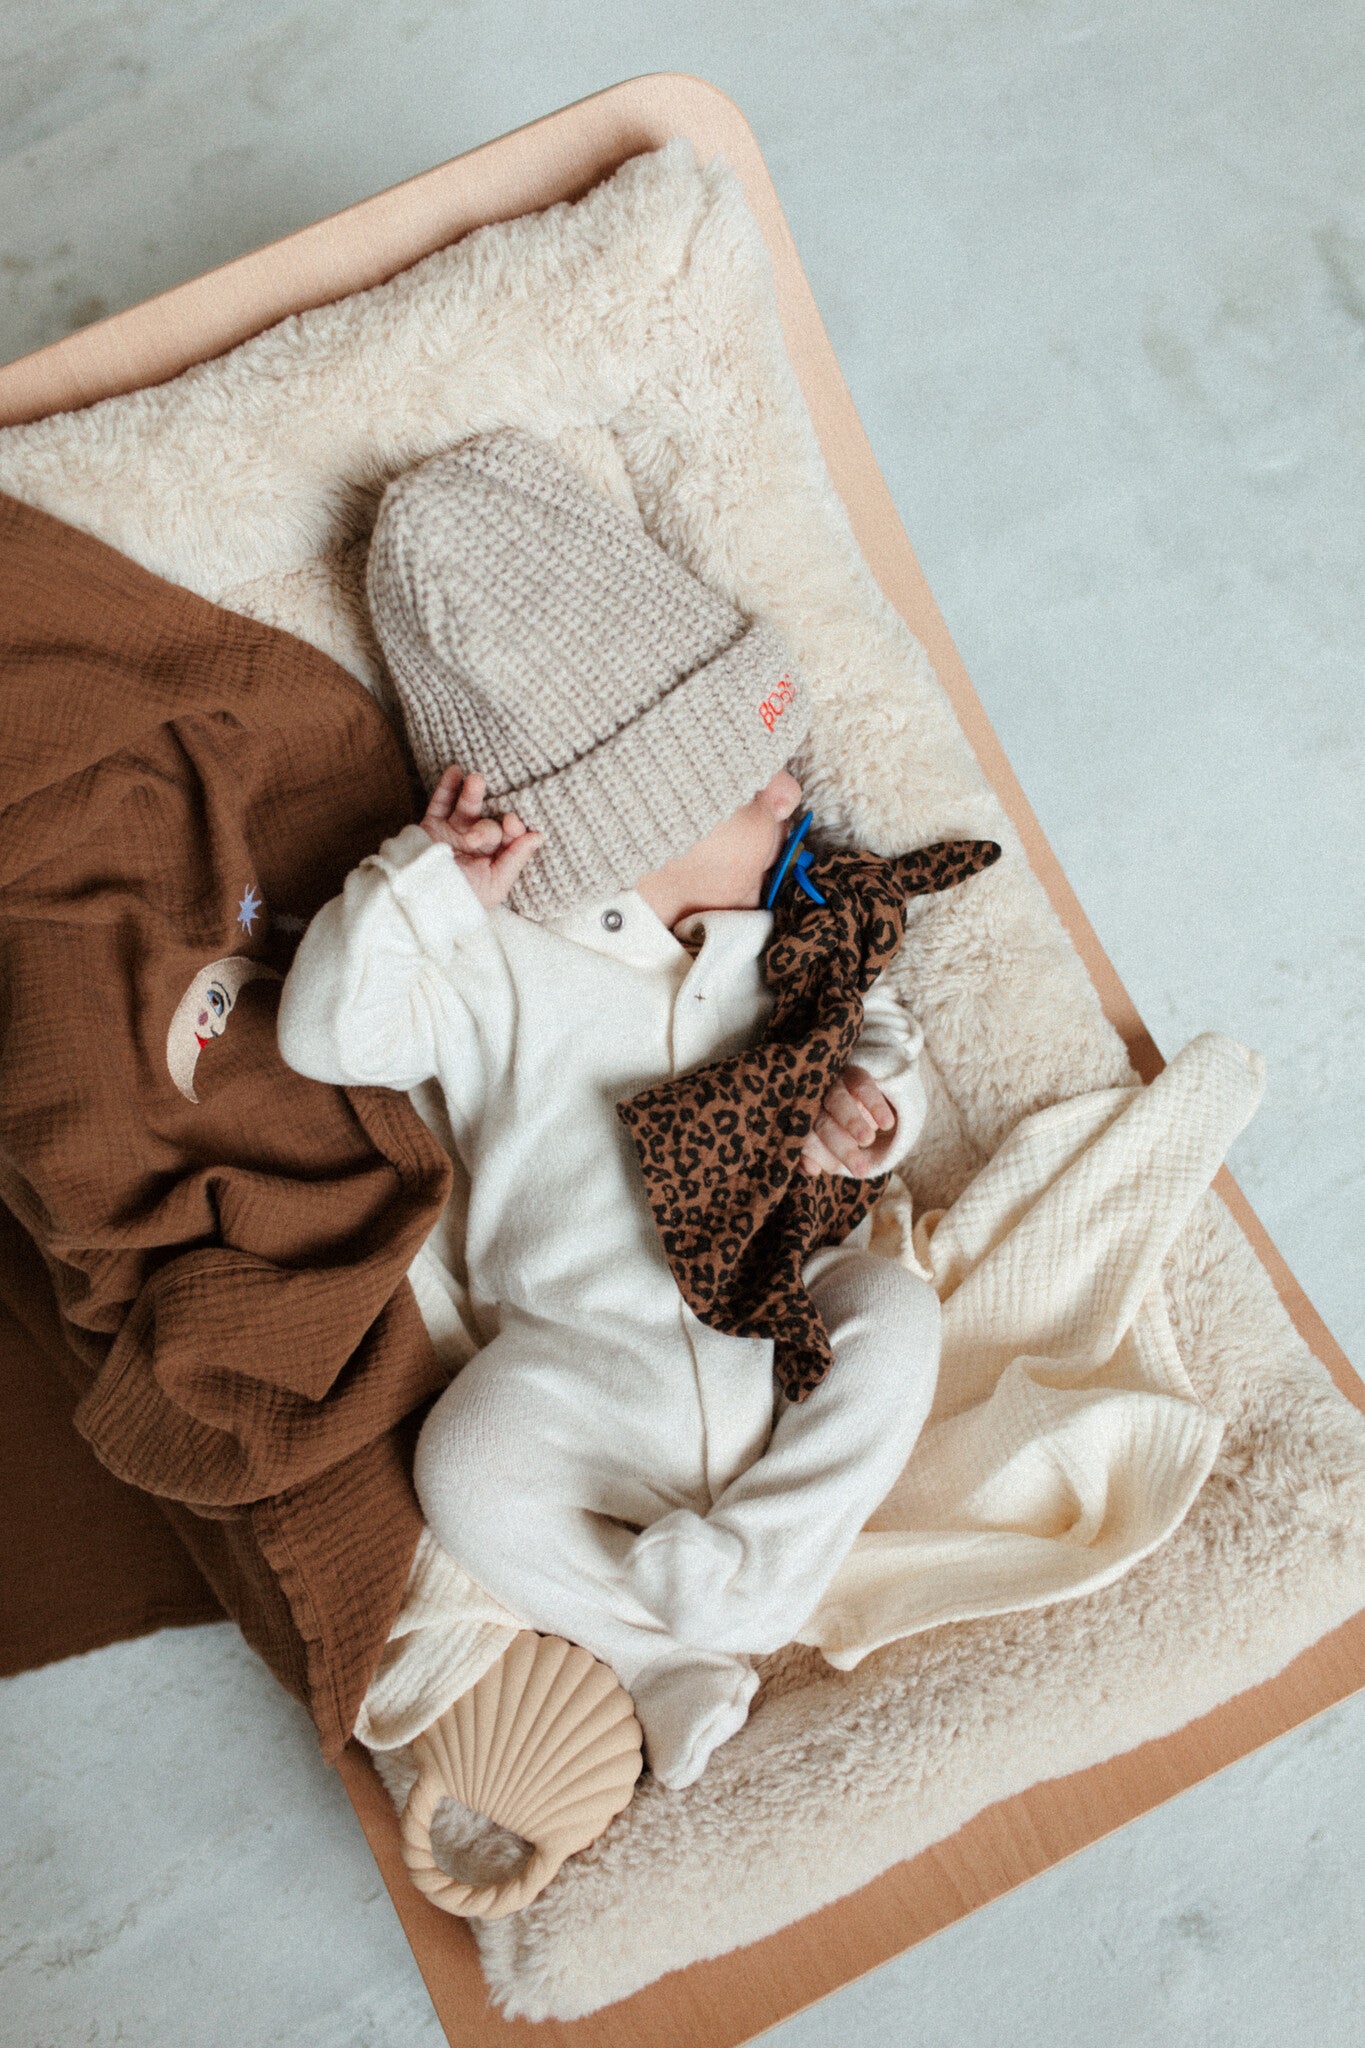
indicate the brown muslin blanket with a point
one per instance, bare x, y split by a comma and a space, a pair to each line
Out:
182, 788
719, 1147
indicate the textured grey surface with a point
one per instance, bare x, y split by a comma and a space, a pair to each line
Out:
1097, 280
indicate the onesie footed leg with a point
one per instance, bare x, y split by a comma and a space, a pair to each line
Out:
687, 1705
510, 1483
680, 1568
748, 1575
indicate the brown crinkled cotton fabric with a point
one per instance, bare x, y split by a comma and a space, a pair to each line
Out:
182, 789
719, 1147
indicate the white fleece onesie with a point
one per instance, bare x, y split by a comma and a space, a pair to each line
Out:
607, 1466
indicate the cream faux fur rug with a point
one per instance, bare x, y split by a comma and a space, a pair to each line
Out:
637, 326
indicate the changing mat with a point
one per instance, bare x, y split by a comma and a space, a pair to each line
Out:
637, 328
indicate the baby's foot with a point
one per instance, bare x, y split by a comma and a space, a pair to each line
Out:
693, 1576
687, 1706
681, 1567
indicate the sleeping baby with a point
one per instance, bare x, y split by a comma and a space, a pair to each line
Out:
605, 744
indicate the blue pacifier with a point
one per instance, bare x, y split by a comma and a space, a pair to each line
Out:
802, 860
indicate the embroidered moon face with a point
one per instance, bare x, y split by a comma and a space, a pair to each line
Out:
203, 1011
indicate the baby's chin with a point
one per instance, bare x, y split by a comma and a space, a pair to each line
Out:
736, 896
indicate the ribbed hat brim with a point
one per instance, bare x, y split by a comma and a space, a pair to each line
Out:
690, 760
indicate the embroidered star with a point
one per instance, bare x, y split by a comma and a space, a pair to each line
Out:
248, 907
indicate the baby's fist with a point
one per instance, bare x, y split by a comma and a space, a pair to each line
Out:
853, 1116
491, 852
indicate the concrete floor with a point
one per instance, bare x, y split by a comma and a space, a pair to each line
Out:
1096, 277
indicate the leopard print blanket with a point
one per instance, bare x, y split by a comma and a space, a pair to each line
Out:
719, 1147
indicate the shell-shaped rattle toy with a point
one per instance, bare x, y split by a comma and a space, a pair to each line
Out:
547, 1745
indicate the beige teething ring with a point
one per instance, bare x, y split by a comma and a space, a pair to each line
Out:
546, 1744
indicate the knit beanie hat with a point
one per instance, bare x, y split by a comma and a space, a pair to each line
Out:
537, 635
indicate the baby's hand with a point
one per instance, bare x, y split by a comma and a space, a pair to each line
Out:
854, 1112
491, 851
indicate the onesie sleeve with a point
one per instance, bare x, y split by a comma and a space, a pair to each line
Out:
374, 986
889, 1048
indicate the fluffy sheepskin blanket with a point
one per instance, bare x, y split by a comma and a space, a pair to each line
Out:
637, 328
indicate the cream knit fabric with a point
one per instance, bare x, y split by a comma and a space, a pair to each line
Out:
596, 1392
535, 633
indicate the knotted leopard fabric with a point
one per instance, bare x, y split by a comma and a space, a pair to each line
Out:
720, 1147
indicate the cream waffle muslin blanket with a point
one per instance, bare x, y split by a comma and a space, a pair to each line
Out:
1065, 1441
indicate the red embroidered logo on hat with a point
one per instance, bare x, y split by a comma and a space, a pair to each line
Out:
772, 707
